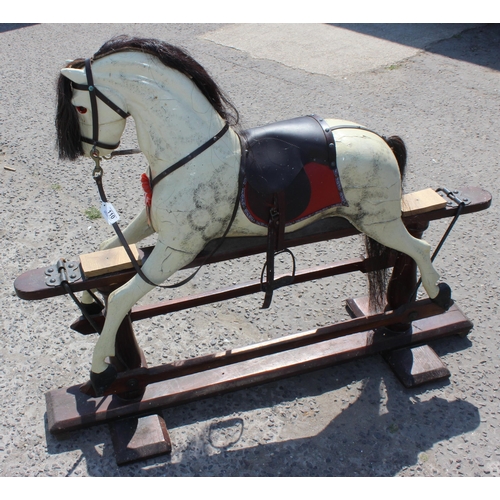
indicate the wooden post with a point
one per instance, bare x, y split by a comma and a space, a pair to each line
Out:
134, 438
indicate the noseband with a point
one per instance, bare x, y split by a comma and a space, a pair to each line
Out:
95, 94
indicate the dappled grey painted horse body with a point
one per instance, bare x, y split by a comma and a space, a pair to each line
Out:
176, 107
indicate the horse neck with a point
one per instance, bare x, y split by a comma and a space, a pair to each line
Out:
172, 116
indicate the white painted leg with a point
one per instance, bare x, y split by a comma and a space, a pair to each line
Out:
162, 263
119, 304
136, 231
394, 235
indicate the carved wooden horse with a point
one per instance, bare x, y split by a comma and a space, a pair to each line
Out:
319, 168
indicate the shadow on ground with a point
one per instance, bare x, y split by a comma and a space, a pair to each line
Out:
14, 26
365, 439
476, 45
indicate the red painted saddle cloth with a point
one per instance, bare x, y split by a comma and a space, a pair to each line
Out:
295, 158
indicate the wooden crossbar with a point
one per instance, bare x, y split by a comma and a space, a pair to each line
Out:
31, 284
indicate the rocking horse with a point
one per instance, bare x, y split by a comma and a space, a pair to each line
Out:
178, 109
209, 184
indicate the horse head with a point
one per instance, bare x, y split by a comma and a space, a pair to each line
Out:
75, 118
89, 114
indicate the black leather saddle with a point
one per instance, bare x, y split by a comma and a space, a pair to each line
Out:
289, 173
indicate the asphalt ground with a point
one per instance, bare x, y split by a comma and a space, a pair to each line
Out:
436, 86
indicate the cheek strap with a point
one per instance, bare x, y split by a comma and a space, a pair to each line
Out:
94, 94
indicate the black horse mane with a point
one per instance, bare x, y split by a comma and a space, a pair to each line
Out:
67, 126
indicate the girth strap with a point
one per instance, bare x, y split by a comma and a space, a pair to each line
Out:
275, 245
276, 226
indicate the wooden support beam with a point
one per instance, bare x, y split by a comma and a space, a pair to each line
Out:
31, 284
71, 409
240, 290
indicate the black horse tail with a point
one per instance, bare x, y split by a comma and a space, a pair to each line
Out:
378, 279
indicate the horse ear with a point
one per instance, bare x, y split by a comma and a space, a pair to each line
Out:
75, 75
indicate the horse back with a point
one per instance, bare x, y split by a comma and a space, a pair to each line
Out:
295, 158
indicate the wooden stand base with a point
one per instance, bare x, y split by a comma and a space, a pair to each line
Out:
137, 439
416, 365
420, 364
71, 409
156, 388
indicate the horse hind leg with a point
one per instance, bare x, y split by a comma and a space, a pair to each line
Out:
393, 234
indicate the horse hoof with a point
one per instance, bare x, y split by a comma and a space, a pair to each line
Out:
443, 298
93, 308
101, 381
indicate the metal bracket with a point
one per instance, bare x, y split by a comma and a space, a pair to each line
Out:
63, 271
454, 196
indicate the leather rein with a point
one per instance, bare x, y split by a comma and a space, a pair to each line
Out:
97, 173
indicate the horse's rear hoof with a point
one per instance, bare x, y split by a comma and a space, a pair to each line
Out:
101, 381
443, 298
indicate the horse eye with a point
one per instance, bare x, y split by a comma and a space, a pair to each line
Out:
81, 109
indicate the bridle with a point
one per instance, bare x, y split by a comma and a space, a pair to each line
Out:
95, 94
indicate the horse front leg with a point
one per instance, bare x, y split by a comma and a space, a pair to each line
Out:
118, 305
161, 264
136, 231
